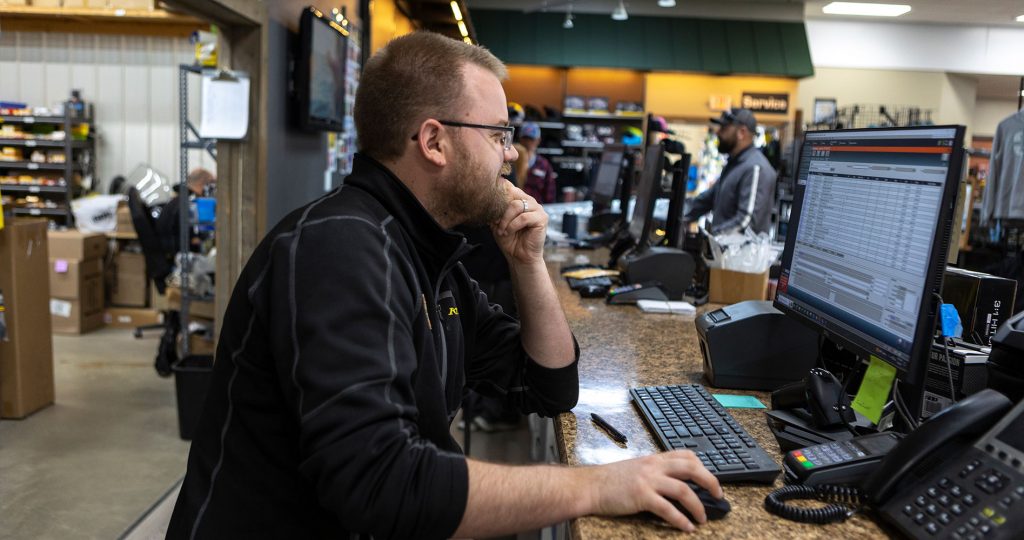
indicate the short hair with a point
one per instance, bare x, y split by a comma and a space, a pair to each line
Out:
414, 77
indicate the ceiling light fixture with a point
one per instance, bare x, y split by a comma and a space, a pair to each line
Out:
865, 9
667, 3
1020, 19
456, 11
619, 13
567, 24
467, 40
463, 30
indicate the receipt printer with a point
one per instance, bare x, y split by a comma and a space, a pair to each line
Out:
753, 346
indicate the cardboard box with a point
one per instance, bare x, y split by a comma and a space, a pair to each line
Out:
124, 219
67, 277
130, 286
74, 316
983, 301
123, 317
76, 246
26, 358
729, 287
203, 309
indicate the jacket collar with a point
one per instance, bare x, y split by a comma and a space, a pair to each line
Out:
432, 241
744, 155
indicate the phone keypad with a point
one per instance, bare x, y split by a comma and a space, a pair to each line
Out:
827, 454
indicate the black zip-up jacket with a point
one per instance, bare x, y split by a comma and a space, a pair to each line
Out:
344, 353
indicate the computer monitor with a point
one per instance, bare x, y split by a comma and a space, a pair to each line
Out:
606, 177
868, 234
641, 224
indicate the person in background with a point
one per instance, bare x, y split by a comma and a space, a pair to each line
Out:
533, 172
353, 332
201, 183
744, 195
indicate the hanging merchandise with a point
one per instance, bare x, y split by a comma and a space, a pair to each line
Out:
1004, 191
206, 47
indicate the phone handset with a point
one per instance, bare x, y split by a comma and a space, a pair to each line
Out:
965, 421
829, 472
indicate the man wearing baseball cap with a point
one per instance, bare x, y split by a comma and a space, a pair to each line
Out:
534, 173
744, 194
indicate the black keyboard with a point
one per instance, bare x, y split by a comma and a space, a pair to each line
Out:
687, 417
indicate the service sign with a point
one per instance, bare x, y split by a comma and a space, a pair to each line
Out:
766, 103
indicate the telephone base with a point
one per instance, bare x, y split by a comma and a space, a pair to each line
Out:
794, 429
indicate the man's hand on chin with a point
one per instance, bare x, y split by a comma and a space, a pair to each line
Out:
522, 229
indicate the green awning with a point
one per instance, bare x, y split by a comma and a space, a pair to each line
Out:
647, 43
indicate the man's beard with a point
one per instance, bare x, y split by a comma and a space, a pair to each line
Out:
470, 198
726, 147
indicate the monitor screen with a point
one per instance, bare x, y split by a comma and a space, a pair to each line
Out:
321, 72
867, 238
647, 191
606, 178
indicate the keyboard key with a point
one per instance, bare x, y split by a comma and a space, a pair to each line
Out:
730, 467
932, 528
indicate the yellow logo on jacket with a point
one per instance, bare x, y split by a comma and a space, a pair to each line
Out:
453, 311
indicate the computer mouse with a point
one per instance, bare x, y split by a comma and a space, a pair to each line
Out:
714, 508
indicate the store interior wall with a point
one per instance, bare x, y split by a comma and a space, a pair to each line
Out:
686, 96
296, 159
989, 112
132, 82
956, 102
387, 23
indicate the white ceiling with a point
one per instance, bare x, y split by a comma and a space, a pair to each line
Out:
969, 12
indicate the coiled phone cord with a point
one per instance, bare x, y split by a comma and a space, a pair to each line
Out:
844, 501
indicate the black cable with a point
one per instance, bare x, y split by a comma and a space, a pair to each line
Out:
901, 407
843, 502
839, 405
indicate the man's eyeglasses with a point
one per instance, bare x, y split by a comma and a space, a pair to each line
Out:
507, 132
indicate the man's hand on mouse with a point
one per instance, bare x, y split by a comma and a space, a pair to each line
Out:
522, 229
647, 484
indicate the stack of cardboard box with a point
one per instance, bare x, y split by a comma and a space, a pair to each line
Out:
26, 346
76, 281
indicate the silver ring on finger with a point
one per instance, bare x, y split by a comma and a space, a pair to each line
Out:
526, 205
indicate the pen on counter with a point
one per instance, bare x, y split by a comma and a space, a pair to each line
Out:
615, 434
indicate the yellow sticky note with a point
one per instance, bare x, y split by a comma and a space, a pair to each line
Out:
1, 215
874, 389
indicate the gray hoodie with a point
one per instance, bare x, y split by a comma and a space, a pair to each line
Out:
1004, 190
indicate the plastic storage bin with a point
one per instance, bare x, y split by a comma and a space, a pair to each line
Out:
192, 376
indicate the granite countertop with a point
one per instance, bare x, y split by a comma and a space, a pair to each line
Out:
623, 348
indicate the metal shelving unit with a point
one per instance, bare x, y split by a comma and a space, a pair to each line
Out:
189, 140
79, 157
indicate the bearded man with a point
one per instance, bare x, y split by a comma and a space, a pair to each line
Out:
354, 330
744, 195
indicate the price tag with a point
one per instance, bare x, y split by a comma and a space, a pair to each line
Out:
33, 166
29, 120
30, 144
33, 189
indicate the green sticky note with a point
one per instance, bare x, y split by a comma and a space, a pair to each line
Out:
731, 401
874, 389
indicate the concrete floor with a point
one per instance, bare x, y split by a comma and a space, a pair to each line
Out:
95, 461
106, 457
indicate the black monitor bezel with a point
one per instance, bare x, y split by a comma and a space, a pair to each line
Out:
916, 369
303, 66
648, 190
616, 190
